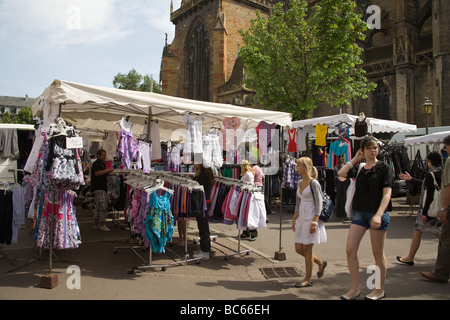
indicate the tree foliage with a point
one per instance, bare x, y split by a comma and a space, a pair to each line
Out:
24, 116
135, 81
305, 54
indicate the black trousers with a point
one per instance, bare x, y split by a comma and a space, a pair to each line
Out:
196, 205
6, 216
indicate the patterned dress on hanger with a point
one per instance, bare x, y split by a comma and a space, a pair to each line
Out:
159, 223
127, 150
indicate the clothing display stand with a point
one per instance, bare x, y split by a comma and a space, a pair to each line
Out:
164, 267
242, 184
156, 179
50, 280
4, 185
239, 251
280, 255
4, 255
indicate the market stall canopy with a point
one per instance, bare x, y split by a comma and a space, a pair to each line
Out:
437, 137
374, 124
83, 104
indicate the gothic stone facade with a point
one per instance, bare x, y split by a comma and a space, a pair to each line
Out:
408, 57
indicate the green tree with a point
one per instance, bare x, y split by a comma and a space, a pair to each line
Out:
24, 116
6, 117
304, 54
135, 81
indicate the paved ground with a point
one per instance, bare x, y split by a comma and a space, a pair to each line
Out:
256, 276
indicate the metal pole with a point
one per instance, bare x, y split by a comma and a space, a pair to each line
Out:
50, 258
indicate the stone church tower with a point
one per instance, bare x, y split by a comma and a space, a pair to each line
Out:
200, 62
408, 57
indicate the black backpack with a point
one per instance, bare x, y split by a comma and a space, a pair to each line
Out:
327, 206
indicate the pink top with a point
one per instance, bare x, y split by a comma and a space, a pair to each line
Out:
259, 175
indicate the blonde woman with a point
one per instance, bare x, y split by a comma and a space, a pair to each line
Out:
247, 172
309, 230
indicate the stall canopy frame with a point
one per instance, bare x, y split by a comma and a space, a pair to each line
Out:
437, 137
374, 125
97, 107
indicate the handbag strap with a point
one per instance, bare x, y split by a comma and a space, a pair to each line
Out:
435, 182
312, 192
361, 165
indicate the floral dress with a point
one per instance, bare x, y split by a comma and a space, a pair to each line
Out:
159, 223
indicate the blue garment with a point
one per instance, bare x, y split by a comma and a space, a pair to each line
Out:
159, 223
338, 148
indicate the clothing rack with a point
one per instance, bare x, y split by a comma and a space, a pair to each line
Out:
243, 185
150, 182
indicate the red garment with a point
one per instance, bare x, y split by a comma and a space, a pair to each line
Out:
292, 146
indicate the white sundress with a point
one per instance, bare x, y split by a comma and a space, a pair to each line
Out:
305, 217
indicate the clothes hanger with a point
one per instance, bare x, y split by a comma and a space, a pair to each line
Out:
159, 186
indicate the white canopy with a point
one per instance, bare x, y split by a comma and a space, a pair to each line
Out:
437, 137
374, 124
100, 107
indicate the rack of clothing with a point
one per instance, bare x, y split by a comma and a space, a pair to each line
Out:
153, 200
235, 201
55, 170
12, 213
341, 148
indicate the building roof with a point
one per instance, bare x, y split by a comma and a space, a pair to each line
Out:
6, 101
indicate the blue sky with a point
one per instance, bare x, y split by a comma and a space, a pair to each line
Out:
81, 41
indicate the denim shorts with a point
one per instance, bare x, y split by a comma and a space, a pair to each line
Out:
363, 219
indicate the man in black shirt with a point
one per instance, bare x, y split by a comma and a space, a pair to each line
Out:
99, 176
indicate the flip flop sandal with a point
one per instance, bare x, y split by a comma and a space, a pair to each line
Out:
303, 284
320, 273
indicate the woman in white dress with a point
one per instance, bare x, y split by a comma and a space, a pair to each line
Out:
309, 230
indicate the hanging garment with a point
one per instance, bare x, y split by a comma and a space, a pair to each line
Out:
35, 150
156, 152
145, 155
159, 223
361, 129
63, 167
256, 217
301, 140
292, 145
321, 135
290, 175
110, 145
6, 216
66, 232
18, 199
9, 147
212, 150
339, 148
127, 149
194, 135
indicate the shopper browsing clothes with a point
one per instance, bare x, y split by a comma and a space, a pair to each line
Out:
424, 223
370, 202
99, 177
309, 230
204, 176
441, 272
